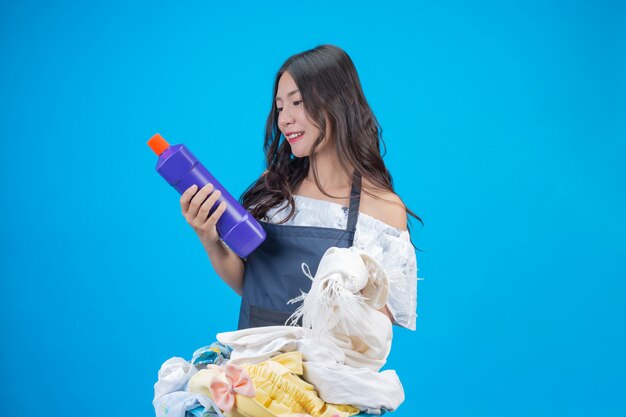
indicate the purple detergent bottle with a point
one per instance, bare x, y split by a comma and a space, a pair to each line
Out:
238, 228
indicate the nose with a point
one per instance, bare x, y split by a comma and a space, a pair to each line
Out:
285, 117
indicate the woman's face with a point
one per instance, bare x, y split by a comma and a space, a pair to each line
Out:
293, 119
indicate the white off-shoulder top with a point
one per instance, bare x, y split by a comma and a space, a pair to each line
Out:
390, 246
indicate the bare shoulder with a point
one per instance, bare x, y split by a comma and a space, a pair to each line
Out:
386, 207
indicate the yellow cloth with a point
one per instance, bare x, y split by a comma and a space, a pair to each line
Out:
280, 392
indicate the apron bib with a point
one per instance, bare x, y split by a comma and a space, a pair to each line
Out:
273, 272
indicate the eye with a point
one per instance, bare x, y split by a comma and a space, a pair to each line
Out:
295, 103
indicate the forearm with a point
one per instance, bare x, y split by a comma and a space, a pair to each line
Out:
226, 264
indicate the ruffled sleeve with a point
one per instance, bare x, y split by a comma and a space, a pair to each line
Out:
392, 248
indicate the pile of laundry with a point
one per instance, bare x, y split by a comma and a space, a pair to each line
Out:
329, 367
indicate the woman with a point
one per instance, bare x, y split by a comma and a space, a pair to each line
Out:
325, 185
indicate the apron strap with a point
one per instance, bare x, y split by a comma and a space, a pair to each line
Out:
355, 201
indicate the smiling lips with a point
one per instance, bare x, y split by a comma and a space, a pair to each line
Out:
293, 136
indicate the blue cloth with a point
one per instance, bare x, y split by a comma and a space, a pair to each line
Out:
214, 354
201, 412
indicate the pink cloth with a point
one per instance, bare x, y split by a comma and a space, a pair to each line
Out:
236, 381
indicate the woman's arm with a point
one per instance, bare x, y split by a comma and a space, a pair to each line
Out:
226, 263
195, 205
390, 210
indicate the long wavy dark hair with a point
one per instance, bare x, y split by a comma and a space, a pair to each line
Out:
332, 97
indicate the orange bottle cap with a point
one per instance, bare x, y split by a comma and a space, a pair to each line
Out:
158, 144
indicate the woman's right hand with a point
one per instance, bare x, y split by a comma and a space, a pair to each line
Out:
196, 207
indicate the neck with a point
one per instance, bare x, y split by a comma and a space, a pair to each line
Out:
329, 172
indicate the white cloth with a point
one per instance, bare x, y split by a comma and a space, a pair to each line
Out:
325, 366
177, 403
173, 376
170, 396
348, 290
389, 246
344, 340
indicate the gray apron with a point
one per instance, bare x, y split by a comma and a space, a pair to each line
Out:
273, 274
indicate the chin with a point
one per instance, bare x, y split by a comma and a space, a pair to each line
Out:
299, 153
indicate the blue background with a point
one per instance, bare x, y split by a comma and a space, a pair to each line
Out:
505, 127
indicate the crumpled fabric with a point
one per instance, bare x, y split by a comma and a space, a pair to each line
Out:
216, 354
173, 376
390, 246
177, 403
279, 390
344, 340
348, 290
170, 396
222, 384
324, 366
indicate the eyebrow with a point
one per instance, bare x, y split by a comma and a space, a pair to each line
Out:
288, 94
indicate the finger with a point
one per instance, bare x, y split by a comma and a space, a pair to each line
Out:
217, 214
198, 199
206, 207
186, 197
